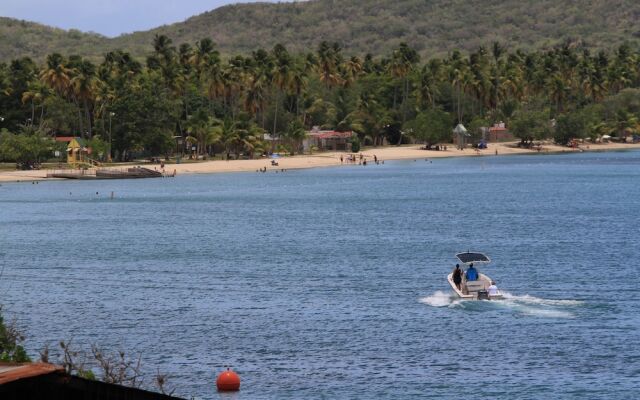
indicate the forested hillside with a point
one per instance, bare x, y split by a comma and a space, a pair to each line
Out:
432, 27
22, 38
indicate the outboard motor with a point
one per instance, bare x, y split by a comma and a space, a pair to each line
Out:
483, 295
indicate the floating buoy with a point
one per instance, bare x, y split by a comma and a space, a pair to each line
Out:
228, 381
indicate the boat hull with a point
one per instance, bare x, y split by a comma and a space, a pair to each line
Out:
473, 295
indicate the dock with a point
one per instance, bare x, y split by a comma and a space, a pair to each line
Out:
108, 173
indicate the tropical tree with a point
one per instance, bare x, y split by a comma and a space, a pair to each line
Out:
295, 134
531, 125
83, 87
203, 128
56, 75
431, 126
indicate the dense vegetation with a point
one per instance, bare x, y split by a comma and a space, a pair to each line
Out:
190, 93
432, 27
11, 349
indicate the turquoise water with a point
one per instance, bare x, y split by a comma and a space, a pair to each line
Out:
330, 283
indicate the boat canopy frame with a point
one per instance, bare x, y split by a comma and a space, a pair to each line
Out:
473, 257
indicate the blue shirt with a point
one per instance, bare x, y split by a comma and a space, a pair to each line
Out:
472, 274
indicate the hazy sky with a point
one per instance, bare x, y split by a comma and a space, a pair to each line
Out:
109, 17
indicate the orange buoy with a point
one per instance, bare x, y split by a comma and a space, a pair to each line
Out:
228, 381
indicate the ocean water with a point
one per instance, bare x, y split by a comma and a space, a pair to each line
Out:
330, 283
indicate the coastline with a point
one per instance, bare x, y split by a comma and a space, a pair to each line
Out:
329, 159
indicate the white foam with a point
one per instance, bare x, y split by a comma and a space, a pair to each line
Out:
440, 299
535, 300
526, 305
545, 313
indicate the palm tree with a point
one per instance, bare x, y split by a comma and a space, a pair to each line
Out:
35, 96
370, 118
214, 79
204, 56
254, 95
281, 77
162, 48
56, 75
328, 60
295, 134
497, 50
83, 86
558, 89
203, 128
352, 70
480, 81
459, 77
298, 84
425, 88
402, 62
237, 138
185, 57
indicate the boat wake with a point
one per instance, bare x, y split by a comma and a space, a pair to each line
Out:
535, 300
537, 307
524, 305
441, 299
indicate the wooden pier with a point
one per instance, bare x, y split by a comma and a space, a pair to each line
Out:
108, 173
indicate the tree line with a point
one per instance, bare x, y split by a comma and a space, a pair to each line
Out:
187, 97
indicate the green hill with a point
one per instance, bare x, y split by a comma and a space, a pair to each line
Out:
21, 38
433, 27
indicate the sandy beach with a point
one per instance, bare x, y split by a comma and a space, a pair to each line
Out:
333, 159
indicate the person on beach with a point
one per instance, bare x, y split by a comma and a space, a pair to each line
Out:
493, 289
457, 276
341, 159
472, 273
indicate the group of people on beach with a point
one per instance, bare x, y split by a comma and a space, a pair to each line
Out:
361, 159
264, 170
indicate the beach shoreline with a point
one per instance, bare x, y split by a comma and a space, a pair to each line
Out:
332, 159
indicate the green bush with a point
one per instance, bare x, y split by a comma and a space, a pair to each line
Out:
355, 144
10, 339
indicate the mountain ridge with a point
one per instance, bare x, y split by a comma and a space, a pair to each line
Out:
432, 27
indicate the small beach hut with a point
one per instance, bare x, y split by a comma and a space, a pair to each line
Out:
77, 151
461, 135
499, 133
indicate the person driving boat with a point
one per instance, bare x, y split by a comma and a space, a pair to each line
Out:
472, 273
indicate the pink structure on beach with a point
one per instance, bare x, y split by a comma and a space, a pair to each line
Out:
328, 140
499, 133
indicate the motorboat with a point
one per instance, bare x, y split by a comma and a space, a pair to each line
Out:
473, 289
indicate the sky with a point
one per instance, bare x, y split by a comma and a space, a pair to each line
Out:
109, 17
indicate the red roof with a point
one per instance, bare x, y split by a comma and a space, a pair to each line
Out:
65, 139
10, 372
497, 129
333, 135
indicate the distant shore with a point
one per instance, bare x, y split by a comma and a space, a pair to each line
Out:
333, 159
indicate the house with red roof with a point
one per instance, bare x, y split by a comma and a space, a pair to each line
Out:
499, 133
327, 140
